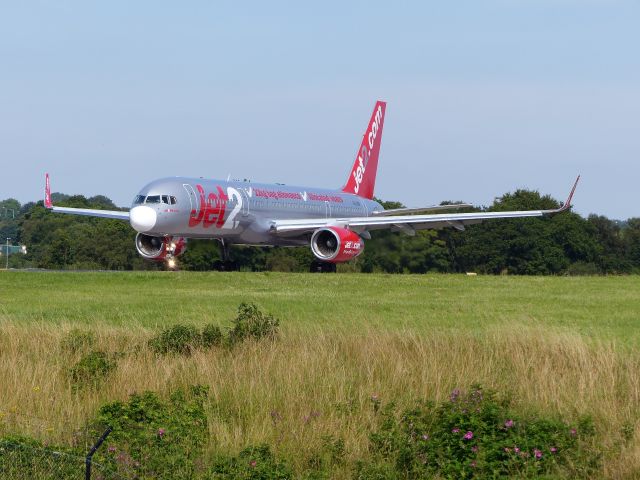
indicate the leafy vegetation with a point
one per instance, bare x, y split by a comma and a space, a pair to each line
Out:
472, 435
252, 463
250, 323
152, 438
91, 369
181, 339
566, 243
476, 434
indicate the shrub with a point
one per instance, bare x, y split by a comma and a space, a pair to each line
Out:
255, 463
212, 336
158, 439
77, 340
185, 339
251, 323
475, 434
182, 339
92, 368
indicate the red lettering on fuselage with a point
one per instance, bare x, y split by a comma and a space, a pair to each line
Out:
212, 209
196, 217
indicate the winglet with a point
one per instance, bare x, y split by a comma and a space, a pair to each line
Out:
567, 204
47, 192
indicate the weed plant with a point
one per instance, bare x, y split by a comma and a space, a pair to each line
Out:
91, 369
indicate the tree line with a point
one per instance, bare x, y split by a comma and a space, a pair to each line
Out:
563, 244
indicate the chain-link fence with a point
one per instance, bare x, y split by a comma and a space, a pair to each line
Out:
31, 448
27, 456
19, 460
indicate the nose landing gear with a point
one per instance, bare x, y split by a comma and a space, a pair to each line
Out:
226, 264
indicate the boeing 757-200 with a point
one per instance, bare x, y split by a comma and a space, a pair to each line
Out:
335, 223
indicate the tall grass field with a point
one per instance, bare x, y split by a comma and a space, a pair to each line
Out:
347, 346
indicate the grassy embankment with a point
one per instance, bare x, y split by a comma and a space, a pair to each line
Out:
560, 345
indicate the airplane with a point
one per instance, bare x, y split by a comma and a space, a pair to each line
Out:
334, 222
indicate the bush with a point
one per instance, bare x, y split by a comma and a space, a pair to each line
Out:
185, 339
251, 323
91, 369
475, 434
255, 463
158, 439
77, 340
181, 339
212, 336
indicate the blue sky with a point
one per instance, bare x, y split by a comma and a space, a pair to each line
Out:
483, 96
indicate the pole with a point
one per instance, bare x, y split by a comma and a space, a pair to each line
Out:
7, 260
87, 462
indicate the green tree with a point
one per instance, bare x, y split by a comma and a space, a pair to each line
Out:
525, 246
631, 241
70, 241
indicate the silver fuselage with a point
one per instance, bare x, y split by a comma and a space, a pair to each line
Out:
238, 212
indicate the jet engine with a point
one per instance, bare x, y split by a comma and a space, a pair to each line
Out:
160, 248
336, 244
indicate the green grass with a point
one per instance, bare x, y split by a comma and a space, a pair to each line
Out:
594, 306
563, 346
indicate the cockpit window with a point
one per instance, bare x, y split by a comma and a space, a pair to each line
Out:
168, 199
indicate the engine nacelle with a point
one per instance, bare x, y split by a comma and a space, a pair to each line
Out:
160, 248
336, 244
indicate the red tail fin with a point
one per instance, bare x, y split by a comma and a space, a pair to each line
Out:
362, 178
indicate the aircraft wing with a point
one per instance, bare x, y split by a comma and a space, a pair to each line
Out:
411, 211
409, 223
80, 211
91, 212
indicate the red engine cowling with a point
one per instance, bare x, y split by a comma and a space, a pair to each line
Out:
160, 248
336, 244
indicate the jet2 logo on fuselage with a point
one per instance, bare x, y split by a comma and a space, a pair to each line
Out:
363, 157
213, 208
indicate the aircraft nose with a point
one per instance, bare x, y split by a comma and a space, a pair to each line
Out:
142, 218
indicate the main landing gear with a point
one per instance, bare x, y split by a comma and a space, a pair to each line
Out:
226, 264
322, 267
